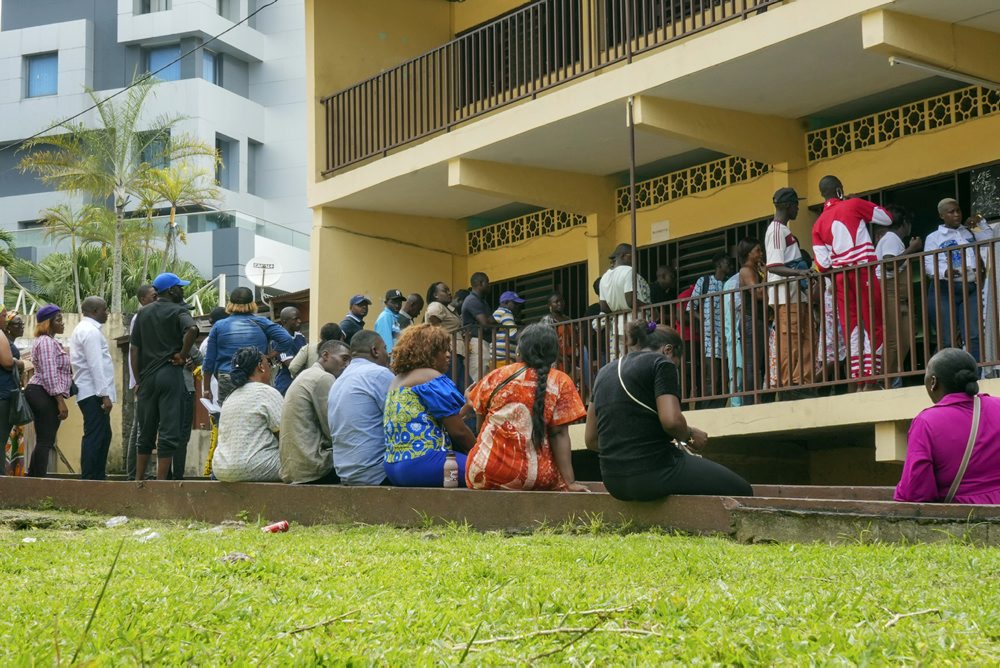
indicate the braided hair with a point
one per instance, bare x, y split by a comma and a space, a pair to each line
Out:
538, 348
245, 362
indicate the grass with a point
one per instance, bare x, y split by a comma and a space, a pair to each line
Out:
441, 595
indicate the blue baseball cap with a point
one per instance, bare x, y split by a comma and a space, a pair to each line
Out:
165, 281
511, 296
360, 299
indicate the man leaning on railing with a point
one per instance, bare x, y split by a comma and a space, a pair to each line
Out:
955, 277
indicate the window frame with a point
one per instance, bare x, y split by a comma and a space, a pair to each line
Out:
29, 60
148, 53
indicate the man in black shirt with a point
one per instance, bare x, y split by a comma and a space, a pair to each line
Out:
664, 288
477, 320
354, 321
162, 336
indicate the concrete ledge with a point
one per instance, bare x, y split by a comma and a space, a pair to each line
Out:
791, 514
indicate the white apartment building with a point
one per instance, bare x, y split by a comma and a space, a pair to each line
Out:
243, 92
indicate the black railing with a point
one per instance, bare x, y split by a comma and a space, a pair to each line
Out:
521, 54
921, 312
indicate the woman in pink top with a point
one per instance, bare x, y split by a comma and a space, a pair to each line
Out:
938, 436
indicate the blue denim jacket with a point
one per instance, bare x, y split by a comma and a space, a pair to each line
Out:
241, 330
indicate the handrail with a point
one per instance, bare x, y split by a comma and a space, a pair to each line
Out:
910, 335
536, 48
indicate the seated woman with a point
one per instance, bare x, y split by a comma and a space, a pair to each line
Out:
524, 410
636, 415
423, 420
247, 449
940, 435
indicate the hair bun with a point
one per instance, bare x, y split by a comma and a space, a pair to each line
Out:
968, 380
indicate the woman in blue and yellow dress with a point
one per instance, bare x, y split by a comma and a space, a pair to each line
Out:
423, 411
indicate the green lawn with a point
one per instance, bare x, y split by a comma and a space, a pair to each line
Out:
365, 595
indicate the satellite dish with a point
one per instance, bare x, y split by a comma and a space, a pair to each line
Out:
263, 271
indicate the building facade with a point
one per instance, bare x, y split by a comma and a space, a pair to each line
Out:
243, 93
447, 138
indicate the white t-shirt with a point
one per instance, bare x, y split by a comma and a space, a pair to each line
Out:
781, 247
617, 282
890, 244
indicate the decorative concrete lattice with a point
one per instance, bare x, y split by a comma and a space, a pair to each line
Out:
912, 118
697, 179
522, 228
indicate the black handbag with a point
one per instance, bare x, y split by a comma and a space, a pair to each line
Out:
19, 411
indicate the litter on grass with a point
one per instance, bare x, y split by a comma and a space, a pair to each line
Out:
148, 537
116, 521
30, 539
234, 557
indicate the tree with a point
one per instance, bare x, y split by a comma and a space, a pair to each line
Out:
181, 185
112, 161
51, 279
63, 222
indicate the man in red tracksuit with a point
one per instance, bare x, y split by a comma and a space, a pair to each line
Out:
840, 241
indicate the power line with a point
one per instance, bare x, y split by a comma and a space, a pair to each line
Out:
145, 77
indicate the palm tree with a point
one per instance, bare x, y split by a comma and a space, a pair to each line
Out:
181, 184
112, 161
7, 256
78, 225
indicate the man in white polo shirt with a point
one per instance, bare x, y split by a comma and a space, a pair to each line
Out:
796, 338
954, 277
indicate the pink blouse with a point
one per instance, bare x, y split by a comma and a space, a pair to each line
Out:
935, 447
52, 368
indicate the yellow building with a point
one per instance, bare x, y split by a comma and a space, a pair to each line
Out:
450, 137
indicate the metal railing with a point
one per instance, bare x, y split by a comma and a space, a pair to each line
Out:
531, 50
762, 347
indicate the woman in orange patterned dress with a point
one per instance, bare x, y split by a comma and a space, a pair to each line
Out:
524, 410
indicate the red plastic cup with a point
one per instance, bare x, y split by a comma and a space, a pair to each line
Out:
277, 527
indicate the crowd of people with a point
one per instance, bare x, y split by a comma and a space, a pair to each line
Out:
473, 397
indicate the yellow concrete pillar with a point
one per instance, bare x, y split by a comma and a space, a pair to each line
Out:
759, 137
954, 47
364, 252
890, 440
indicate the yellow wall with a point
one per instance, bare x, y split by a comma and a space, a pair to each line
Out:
531, 256
358, 252
465, 15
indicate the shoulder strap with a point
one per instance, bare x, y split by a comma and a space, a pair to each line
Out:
508, 379
630, 395
973, 433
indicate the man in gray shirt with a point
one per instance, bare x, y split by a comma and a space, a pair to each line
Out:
304, 447
356, 405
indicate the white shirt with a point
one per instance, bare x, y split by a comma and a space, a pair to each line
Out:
93, 370
890, 244
616, 283
945, 237
781, 247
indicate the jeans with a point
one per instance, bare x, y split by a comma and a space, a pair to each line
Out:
948, 302
47, 422
96, 439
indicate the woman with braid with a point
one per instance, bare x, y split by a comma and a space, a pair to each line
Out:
636, 424
248, 425
524, 411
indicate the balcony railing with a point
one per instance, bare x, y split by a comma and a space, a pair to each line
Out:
747, 341
536, 48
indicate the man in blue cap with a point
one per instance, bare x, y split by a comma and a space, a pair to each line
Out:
387, 325
162, 336
505, 339
354, 321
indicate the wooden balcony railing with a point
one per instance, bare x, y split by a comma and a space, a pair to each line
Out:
921, 312
536, 48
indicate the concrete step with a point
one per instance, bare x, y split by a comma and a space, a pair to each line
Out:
785, 514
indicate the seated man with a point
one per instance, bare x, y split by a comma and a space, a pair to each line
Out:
355, 410
304, 447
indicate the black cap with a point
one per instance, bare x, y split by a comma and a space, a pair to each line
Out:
786, 196
620, 250
394, 295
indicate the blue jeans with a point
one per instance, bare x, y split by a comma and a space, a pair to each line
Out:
961, 305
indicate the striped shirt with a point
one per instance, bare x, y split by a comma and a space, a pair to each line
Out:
52, 368
505, 339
